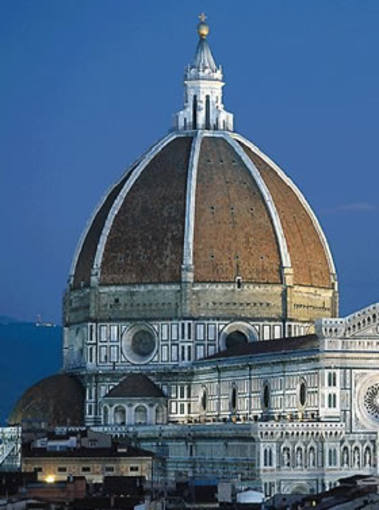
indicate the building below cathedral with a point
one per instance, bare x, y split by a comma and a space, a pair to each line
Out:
201, 317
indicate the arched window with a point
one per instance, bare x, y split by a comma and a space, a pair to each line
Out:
356, 457
159, 415
233, 399
194, 112
266, 396
105, 415
332, 400
312, 457
332, 457
367, 456
120, 415
140, 415
345, 456
204, 400
302, 393
207, 113
299, 457
267, 457
286, 457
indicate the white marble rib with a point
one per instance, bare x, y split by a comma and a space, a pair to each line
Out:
189, 224
125, 190
298, 193
282, 243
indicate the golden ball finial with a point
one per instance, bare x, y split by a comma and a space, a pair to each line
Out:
202, 27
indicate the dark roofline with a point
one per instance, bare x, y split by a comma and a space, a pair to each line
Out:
290, 344
135, 385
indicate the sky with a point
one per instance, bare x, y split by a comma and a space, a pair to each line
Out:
87, 85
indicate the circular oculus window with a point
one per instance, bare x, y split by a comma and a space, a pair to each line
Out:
140, 344
143, 343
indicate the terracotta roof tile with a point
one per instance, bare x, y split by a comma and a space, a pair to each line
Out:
56, 400
145, 242
88, 251
308, 257
234, 235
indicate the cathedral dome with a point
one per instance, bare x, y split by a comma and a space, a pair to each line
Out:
53, 401
212, 204
205, 207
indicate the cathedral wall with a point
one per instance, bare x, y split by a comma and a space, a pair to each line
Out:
220, 300
109, 344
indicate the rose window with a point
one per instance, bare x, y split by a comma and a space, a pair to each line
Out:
371, 401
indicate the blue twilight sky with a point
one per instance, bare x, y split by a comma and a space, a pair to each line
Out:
87, 85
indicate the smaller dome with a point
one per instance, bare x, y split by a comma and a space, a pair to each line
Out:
54, 401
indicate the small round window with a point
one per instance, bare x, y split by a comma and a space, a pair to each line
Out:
302, 394
139, 344
143, 343
266, 396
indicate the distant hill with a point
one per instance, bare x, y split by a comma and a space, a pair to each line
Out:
28, 353
4, 319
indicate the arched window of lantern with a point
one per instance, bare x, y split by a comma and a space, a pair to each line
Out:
207, 112
194, 112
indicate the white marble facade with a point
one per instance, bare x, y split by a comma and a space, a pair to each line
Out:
307, 412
